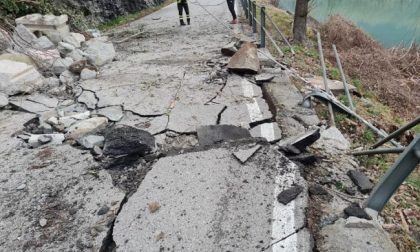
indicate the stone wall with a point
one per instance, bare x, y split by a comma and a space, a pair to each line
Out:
97, 11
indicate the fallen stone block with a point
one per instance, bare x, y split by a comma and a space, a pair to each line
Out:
245, 60
82, 128
38, 140
65, 48
88, 74
88, 98
18, 77
289, 150
334, 85
264, 77
54, 27
126, 140
74, 39
99, 53
317, 190
90, 141
77, 55
43, 43
244, 154
354, 222
113, 113
4, 100
355, 210
270, 131
304, 158
68, 78
61, 65
304, 140
229, 49
337, 237
23, 37
215, 134
361, 181
290, 194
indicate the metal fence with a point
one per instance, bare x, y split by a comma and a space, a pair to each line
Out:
259, 25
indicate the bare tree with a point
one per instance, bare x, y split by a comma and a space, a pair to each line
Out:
299, 24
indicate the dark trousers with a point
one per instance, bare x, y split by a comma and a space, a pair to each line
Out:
183, 5
231, 5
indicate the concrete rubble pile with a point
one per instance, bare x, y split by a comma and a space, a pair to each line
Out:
40, 67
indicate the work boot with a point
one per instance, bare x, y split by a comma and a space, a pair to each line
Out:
182, 22
235, 21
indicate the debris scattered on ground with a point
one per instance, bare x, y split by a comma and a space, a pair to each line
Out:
355, 210
153, 206
43, 222
245, 60
304, 140
90, 141
125, 140
229, 49
270, 131
361, 181
264, 77
244, 154
215, 134
290, 194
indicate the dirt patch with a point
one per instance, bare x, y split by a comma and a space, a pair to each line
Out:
393, 74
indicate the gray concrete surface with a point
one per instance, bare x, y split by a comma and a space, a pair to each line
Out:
211, 202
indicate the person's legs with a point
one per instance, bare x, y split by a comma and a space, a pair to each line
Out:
181, 18
231, 5
187, 11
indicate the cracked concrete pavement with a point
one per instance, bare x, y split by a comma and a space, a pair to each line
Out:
169, 83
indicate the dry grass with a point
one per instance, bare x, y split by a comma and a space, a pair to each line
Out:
393, 74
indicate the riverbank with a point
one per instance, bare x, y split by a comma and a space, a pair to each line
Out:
387, 82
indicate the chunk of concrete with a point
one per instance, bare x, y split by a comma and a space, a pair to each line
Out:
264, 77
77, 55
270, 131
18, 77
187, 118
68, 78
61, 65
355, 210
243, 154
361, 181
74, 39
65, 48
38, 140
23, 36
88, 98
335, 135
88, 74
354, 222
337, 237
125, 140
214, 134
303, 141
99, 53
82, 128
91, 141
286, 196
54, 27
245, 60
113, 113
334, 85
229, 49
43, 43
153, 125
4, 100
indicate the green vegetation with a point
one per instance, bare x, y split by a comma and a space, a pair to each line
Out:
368, 137
334, 73
133, 16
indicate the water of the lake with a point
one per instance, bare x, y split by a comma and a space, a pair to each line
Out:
391, 22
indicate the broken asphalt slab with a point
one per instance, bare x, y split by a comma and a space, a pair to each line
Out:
215, 134
361, 181
203, 195
302, 141
126, 140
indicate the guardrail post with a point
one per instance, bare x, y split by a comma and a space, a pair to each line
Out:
245, 5
250, 12
262, 27
395, 176
254, 14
